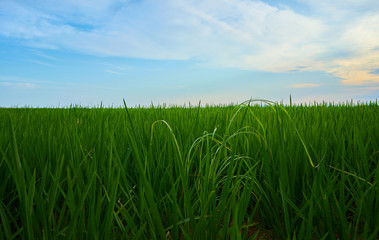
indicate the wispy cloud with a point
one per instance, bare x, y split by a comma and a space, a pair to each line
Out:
18, 84
369, 89
15, 81
40, 62
113, 72
5, 83
26, 85
337, 37
43, 55
120, 68
305, 85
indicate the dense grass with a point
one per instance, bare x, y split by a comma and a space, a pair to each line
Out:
239, 172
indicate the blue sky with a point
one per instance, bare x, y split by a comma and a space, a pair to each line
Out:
57, 53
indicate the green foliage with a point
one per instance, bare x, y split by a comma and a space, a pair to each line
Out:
256, 170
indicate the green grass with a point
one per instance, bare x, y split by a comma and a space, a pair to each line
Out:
228, 172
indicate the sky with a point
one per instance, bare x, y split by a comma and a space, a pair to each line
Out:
175, 52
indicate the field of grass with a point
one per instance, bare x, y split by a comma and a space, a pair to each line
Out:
231, 172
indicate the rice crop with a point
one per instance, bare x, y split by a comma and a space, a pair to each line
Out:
258, 170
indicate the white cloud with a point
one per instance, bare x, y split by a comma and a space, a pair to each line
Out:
113, 72
40, 62
362, 38
369, 89
305, 85
21, 82
18, 84
5, 83
338, 37
26, 85
43, 55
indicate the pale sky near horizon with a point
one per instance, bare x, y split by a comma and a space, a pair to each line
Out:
87, 52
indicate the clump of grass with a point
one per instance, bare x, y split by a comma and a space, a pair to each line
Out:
256, 170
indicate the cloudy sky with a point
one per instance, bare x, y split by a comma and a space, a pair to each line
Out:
57, 53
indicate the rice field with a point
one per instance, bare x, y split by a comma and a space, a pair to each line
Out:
258, 170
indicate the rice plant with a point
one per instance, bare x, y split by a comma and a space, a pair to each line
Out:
258, 170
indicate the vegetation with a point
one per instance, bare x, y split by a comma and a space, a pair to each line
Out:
230, 172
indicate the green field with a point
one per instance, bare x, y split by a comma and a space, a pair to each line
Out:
229, 172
